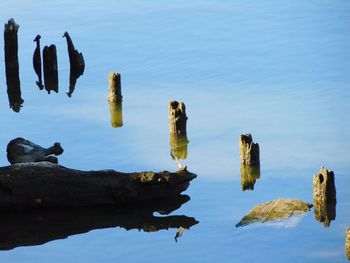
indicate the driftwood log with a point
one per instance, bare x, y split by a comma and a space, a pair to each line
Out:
43, 184
50, 68
12, 65
36, 227
115, 91
248, 150
324, 196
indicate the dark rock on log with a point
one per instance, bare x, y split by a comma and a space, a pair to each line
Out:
248, 150
324, 196
50, 68
249, 175
12, 66
274, 211
177, 117
347, 243
20, 150
116, 108
36, 227
115, 93
37, 62
77, 64
178, 145
44, 184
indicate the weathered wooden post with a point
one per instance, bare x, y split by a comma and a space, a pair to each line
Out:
324, 196
249, 151
249, 175
50, 68
347, 243
177, 117
12, 65
115, 93
116, 109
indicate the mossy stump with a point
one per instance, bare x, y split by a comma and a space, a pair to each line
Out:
115, 93
248, 150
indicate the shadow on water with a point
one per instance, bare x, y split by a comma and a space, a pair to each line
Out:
249, 175
12, 66
50, 68
325, 212
116, 108
38, 227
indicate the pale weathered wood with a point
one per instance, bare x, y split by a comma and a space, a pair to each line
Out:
324, 196
177, 117
115, 93
44, 184
249, 151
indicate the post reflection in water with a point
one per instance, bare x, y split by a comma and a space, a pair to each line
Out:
40, 226
179, 144
116, 108
249, 175
325, 211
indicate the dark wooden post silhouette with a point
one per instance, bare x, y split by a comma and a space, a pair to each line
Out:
12, 66
50, 68
37, 62
115, 93
177, 117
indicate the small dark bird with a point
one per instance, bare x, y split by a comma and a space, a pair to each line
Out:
77, 64
37, 62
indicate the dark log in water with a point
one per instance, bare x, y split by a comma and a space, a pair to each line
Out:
115, 93
37, 62
248, 150
116, 108
249, 175
177, 117
30, 228
43, 184
324, 196
12, 66
77, 64
50, 68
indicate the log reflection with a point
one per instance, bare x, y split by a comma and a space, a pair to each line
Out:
325, 211
38, 227
249, 175
179, 144
116, 108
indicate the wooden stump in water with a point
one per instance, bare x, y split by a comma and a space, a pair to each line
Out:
179, 144
177, 117
50, 68
116, 108
115, 93
324, 196
249, 175
347, 243
11, 64
249, 151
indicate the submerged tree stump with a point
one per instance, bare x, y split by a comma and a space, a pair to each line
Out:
115, 93
347, 243
50, 68
324, 196
116, 108
177, 117
12, 65
249, 151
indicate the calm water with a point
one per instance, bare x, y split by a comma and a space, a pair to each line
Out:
277, 70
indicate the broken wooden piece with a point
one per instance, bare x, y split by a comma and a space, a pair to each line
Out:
248, 150
324, 196
115, 93
177, 117
20, 150
12, 66
50, 68
43, 184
